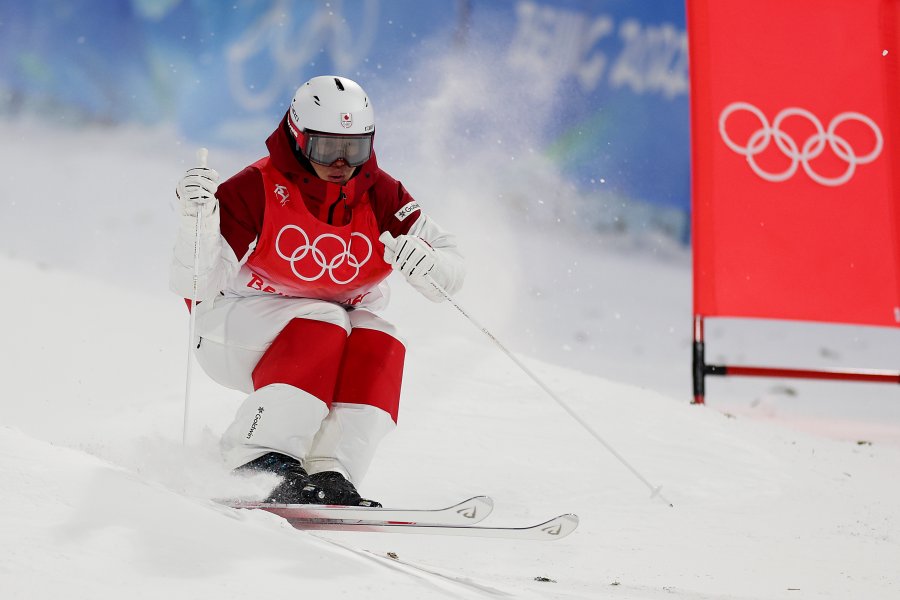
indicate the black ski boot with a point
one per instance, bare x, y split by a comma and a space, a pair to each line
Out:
295, 487
338, 490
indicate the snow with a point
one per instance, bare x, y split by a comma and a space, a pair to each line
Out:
781, 489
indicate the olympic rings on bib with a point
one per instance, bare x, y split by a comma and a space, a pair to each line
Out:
324, 263
799, 154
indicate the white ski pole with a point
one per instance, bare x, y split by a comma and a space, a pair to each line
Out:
655, 491
202, 155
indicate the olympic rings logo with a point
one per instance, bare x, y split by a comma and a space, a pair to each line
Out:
801, 155
344, 256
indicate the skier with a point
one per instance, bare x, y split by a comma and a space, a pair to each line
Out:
294, 252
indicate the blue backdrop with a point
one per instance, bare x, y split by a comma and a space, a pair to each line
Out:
616, 69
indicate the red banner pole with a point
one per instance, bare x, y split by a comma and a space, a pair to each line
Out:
871, 375
699, 362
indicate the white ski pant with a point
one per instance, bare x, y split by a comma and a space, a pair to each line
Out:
323, 382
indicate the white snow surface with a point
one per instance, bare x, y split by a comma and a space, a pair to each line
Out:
781, 489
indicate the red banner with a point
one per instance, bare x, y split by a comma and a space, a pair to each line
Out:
795, 123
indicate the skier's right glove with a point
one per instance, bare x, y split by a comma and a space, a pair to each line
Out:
197, 191
199, 268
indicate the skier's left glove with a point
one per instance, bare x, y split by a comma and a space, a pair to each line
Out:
410, 255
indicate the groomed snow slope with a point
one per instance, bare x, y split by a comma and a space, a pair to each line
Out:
100, 500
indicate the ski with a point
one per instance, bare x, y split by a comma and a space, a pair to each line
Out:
467, 512
554, 529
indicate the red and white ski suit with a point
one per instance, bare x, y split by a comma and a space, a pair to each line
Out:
291, 270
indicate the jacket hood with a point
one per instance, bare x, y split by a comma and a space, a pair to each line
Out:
296, 167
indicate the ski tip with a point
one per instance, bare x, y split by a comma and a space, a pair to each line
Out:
486, 501
475, 509
559, 527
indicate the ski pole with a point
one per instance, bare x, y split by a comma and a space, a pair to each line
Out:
655, 491
202, 155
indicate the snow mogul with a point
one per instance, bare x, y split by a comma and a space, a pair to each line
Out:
293, 255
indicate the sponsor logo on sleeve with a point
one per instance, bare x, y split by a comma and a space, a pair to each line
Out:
407, 210
256, 420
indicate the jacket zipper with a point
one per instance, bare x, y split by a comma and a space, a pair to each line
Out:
333, 206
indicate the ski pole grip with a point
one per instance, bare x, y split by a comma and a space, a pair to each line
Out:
202, 155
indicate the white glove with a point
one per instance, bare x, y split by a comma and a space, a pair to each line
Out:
408, 254
197, 189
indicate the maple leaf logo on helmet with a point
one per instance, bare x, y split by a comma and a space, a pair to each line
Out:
346, 120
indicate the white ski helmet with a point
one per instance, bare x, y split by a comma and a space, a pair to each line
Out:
335, 106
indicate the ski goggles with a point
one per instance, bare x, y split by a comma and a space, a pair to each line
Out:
325, 148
